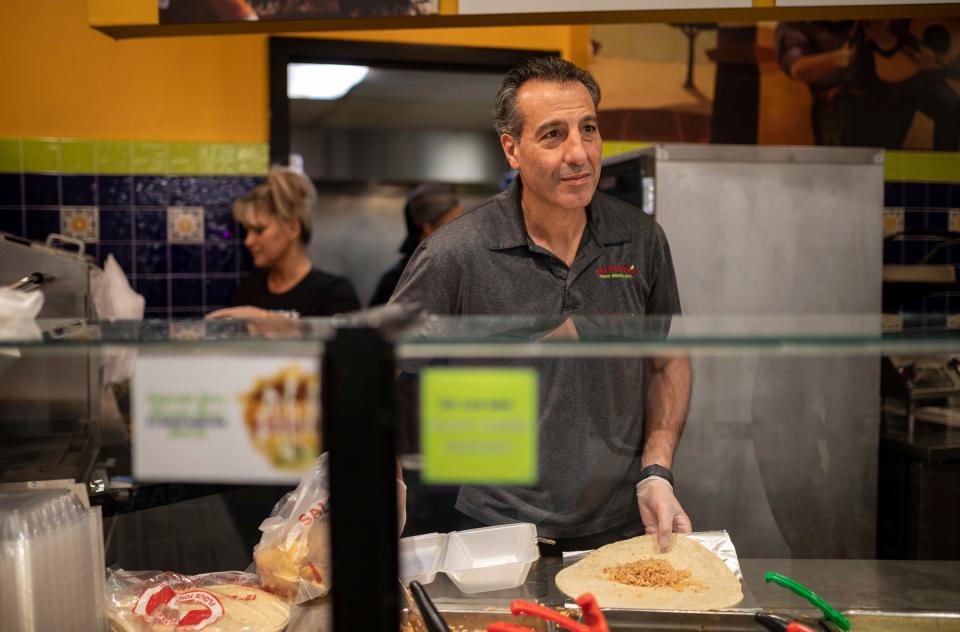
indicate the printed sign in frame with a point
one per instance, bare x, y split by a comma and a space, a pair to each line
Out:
225, 418
479, 425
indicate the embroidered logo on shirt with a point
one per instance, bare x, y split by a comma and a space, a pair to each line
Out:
617, 272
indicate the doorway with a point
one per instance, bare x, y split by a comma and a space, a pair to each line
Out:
417, 114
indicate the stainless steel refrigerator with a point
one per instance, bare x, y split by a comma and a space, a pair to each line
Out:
780, 448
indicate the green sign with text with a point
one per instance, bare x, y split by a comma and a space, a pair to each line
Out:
479, 425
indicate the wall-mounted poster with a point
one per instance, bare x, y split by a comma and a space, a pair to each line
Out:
877, 83
187, 11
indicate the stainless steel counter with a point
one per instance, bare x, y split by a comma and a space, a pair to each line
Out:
899, 586
917, 588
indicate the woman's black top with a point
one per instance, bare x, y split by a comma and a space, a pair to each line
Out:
318, 294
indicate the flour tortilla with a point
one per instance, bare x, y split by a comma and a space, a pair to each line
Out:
722, 586
246, 609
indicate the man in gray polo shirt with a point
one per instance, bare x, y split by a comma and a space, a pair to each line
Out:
551, 245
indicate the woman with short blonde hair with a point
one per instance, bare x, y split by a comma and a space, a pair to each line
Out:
277, 216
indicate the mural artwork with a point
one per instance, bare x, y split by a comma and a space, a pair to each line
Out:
878, 83
186, 11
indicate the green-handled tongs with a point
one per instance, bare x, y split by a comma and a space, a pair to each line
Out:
830, 613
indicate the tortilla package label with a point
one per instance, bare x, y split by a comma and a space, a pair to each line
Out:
214, 602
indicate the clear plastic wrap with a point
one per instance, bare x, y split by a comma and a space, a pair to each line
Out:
232, 601
293, 556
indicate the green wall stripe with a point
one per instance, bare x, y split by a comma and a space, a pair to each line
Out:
922, 166
41, 154
10, 153
65, 155
78, 156
82, 156
617, 147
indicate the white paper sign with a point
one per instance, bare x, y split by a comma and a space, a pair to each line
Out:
234, 419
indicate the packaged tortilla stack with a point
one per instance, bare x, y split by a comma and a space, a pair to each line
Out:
149, 601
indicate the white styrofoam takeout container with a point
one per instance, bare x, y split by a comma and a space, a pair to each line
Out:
476, 560
421, 556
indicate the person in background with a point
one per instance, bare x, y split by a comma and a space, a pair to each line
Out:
428, 207
277, 217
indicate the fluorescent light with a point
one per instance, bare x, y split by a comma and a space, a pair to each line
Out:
322, 81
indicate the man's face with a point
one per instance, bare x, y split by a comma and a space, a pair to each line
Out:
558, 152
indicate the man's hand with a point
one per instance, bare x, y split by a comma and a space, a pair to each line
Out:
660, 511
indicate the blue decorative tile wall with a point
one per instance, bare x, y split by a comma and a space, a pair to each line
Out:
115, 190
219, 224
187, 292
150, 191
185, 191
154, 290
11, 220
150, 224
121, 252
41, 189
178, 280
927, 239
41, 222
186, 260
10, 189
221, 257
219, 290
151, 258
79, 190
116, 225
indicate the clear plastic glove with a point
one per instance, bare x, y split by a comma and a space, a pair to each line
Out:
660, 511
401, 506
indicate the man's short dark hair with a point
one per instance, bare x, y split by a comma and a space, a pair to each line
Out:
506, 114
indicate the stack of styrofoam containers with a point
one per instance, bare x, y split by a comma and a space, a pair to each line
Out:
51, 563
475, 560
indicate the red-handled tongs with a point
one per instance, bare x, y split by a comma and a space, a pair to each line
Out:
592, 616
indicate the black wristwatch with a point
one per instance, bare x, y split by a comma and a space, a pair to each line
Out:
657, 470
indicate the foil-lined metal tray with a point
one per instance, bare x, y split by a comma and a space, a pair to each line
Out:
718, 542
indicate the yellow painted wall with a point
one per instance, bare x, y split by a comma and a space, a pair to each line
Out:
61, 78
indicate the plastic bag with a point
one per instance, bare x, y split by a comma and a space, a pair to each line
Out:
293, 556
17, 313
151, 601
112, 295
114, 299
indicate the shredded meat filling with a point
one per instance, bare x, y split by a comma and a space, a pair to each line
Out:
652, 574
